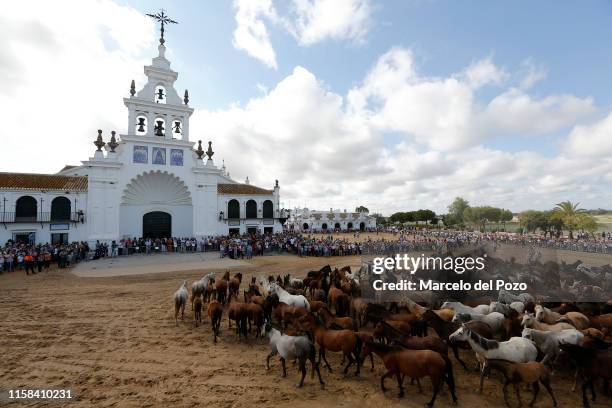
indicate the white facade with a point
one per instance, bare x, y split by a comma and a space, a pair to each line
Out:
305, 220
149, 178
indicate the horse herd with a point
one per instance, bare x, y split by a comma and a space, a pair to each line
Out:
304, 319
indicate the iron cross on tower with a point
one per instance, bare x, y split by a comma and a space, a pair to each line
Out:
163, 19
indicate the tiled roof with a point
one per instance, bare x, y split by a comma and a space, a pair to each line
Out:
42, 182
242, 189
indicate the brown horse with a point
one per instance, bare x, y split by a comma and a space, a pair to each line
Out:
221, 288
345, 341
531, 372
328, 318
238, 313
593, 364
197, 310
215, 311
234, 285
255, 315
415, 364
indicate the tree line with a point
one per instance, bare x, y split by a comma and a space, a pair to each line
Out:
564, 216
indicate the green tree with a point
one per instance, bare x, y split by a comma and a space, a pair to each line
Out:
456, 211
570, 214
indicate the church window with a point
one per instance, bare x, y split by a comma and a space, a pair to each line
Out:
26, 209
268, 209
60, 209
251, 209
233, 209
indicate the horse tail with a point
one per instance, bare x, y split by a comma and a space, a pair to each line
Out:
449, 374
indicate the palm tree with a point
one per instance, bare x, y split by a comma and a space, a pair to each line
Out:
570, 214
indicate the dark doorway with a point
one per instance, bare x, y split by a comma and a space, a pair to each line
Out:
361, 226
59, 238
305, 226
157, 224
349, 225
268, 230
337, 226
324, 227
251, 230
234, 231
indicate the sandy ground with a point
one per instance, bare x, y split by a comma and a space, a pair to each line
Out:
154, 263
113, 341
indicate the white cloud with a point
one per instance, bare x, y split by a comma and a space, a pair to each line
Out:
318, 20
483, 72
329, 150
593, 141
62, 77
309, 21
251, 33
531, 73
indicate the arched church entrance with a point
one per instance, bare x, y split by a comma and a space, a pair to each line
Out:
157, 224
362, 226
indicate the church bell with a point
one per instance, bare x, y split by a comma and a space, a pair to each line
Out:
177, 127
159, 129
141, 123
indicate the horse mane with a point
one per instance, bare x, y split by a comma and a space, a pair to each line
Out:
483, 342
386, 324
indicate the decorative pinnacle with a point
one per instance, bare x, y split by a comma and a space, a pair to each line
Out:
209, 151
276, 183
133, 88
163, 19
99, 143
186, 97
113, 142
199, 150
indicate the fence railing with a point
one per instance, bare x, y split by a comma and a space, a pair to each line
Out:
12, 217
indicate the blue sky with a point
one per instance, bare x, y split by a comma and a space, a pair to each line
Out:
392, 104
569, 40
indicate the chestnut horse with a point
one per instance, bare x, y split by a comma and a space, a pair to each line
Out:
345, 341
215, 311
401, 362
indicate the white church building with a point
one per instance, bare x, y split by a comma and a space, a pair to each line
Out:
306, 220
150, 181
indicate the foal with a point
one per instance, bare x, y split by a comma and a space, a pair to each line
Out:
415, 364
531, 372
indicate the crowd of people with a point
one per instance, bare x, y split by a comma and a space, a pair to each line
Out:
16, 256
38, 257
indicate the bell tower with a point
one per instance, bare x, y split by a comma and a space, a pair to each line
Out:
157, 110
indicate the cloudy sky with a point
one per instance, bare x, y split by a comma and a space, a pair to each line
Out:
396, 105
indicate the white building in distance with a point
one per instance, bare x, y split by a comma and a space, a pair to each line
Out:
148, 181
305, 220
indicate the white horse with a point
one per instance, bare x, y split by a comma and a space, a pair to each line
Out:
530, 321
505, 309
198, 287
459, 307
549, 341
287, 298
180, 300
517, 349
506, 297
290, 348
577, 319
495, 319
